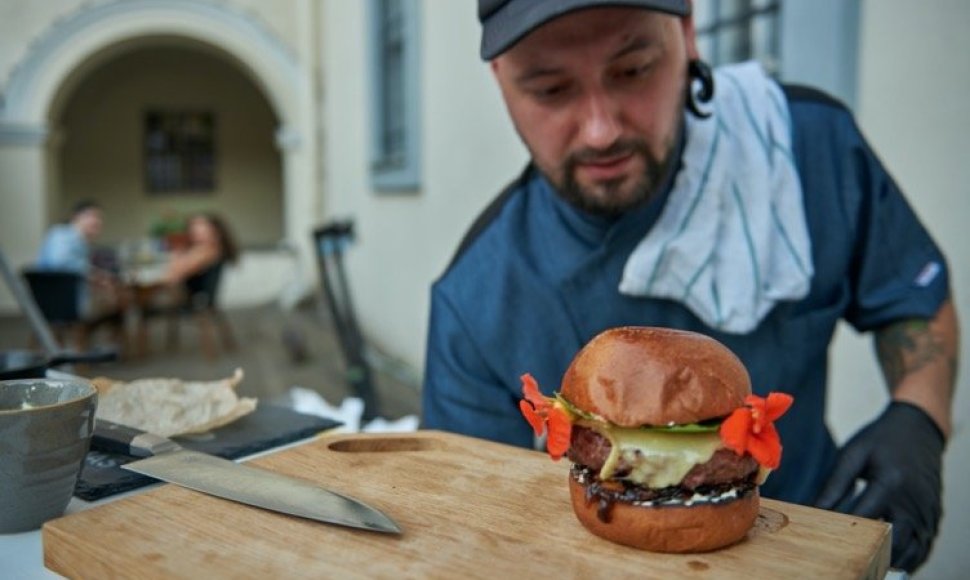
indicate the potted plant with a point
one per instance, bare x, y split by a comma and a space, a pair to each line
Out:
171, 230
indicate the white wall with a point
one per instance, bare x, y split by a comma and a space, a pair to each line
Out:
469, 153
914, 78
21, 22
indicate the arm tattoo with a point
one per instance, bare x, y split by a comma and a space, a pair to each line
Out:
907, 346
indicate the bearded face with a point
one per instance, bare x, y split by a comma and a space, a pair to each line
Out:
598, 98
611, 197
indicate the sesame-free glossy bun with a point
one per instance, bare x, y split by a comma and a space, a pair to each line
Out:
633, 376
698, 528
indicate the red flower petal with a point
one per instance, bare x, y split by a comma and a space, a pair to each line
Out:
751, 429
531, 392
777, 404
736, 430
758, 414
766, 448
560, 431
538, 425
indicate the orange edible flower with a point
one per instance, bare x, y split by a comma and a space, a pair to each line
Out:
751, 429
560, 432
537, 422
543, 413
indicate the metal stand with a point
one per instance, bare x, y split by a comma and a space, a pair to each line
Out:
330, 241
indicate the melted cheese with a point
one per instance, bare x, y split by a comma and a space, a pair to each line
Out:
763, 473
659, 458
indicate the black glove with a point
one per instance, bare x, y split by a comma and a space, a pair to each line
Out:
899, 457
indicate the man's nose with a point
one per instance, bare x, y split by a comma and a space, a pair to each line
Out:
601, 123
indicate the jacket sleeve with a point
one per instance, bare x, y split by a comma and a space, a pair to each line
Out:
461, 392
898, 271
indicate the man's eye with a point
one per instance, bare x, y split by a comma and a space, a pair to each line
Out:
550, 91
635, 71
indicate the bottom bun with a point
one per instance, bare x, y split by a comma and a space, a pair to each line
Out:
698, 528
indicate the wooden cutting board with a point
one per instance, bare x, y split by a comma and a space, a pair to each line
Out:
469, 508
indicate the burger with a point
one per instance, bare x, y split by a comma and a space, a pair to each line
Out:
667, 442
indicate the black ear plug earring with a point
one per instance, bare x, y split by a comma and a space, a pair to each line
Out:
698, 70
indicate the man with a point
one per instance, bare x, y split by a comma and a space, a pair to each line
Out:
760, 226
67, 247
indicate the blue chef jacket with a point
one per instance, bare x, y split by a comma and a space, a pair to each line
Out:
536, 278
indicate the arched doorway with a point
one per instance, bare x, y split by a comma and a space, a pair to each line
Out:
77, 46
214, 151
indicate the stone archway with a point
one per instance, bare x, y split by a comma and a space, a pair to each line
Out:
76, 44
75, 40
100, 130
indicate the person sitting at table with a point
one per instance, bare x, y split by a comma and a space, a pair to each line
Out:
211, 244
191, 278
67, 248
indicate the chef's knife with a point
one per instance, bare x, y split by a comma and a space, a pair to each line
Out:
167, 461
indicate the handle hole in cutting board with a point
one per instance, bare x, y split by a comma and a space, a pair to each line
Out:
377, 444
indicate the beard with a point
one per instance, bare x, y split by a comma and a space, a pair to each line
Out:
614, 197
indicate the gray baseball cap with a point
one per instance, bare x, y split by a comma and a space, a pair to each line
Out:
505, 22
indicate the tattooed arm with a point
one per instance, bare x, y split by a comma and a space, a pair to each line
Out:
899, 454
919, 361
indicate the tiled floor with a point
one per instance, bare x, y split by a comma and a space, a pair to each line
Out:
263, 354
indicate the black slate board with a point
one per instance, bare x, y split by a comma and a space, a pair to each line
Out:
265, 428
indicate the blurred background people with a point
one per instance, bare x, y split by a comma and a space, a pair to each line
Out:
190, 283
67, 247
210, 246
192, 273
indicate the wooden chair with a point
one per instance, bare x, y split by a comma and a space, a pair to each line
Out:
198, 300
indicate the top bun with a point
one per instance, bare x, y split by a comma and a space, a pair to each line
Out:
633, 376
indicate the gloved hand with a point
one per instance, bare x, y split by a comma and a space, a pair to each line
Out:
899, 457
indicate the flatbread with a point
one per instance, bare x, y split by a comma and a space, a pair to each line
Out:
170, 407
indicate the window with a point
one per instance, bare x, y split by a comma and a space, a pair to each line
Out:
812, 42
737, 30
179, 151
395, 143
820, 45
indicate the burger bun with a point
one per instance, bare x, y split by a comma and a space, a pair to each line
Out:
634, 376
676, 529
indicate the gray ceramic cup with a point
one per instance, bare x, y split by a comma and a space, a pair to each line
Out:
45, 432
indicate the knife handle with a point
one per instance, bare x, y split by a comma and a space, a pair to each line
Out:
116, 438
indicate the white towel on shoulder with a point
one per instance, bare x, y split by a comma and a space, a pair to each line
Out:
731, 241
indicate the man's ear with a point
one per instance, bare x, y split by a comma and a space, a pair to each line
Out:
493, 64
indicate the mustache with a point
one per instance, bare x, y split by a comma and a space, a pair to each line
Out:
619, 148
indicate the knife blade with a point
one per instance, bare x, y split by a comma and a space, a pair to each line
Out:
168, 461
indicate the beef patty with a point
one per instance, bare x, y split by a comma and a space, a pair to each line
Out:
590, 449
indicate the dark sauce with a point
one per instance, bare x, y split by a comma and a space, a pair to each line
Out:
605, 509
606, 495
